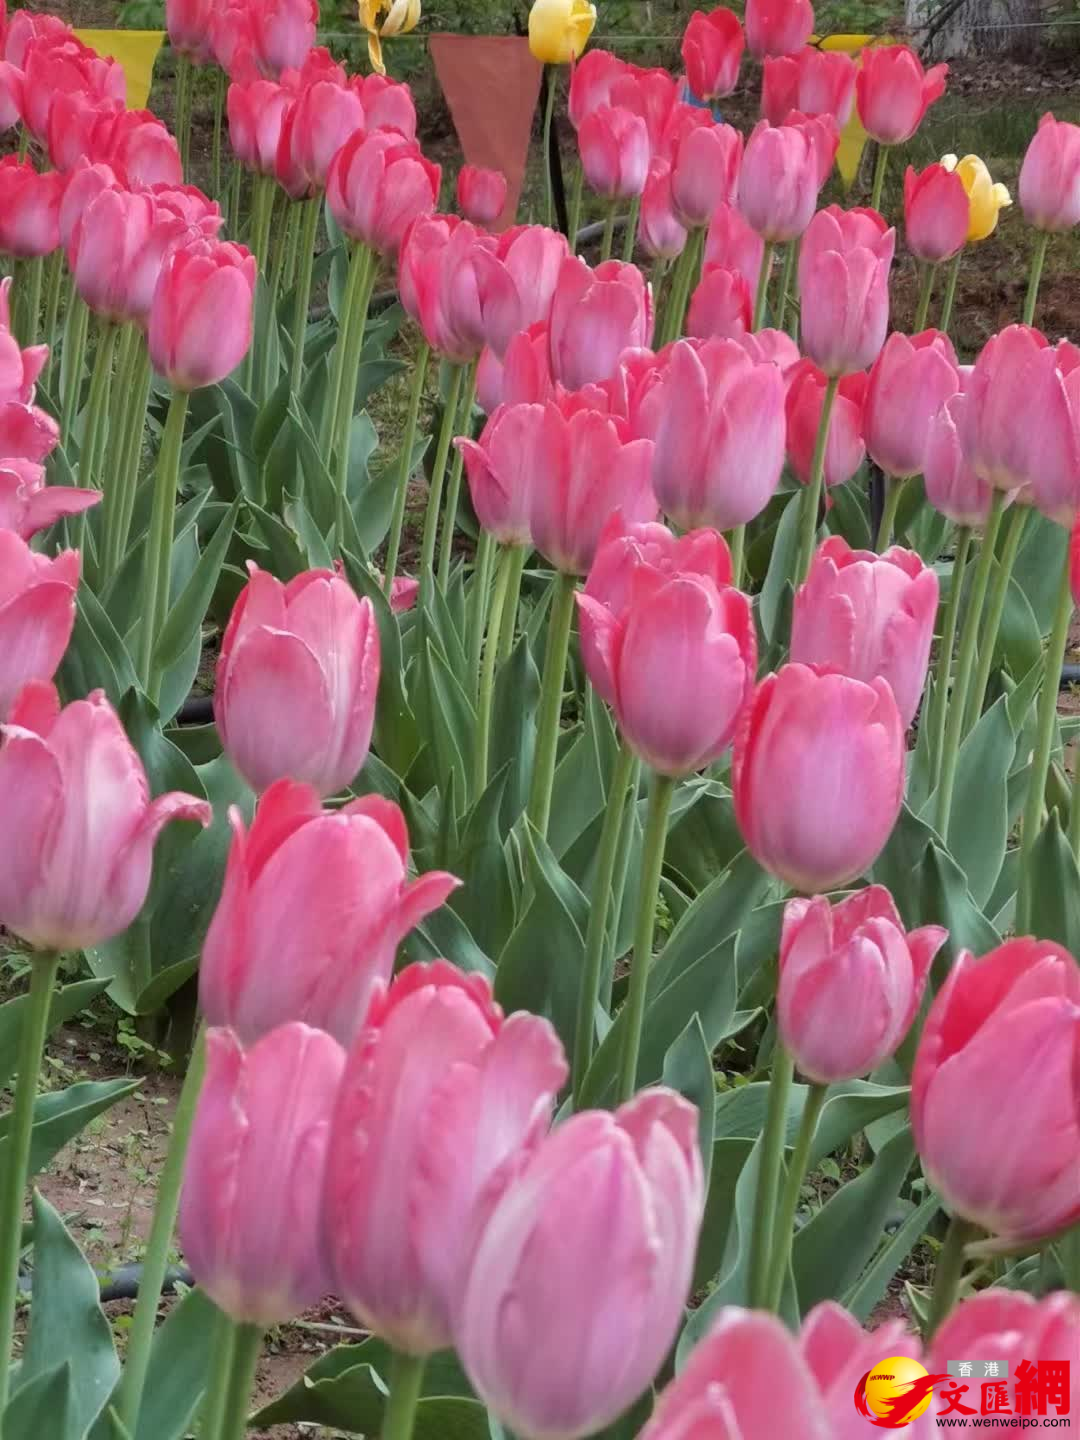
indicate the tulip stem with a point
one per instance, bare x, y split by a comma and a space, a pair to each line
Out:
630, 233
113, 503
1074, 839
97, 405
737, 546
609, 232
945, 653
435, 485
1044, 744
156, 1257
453, 494
957, 703
811, 498
926, 289
1038, 256
508, 631
28, 299
574, 217
247, 1347
880, 162
894, 490
72, 358
405, 1383
346, 401
118, 526
783, 1229
950, 292
302, 298
627, 827
219, 109
1014, 534
184, 79
791, 255
397, 521
652, 864
679, 294
549, 112
487, 674
52, 304
599, 907
656, 279
217, 1383
949, 1272
762, 294
33, 1030
330, 424
480, 592
560, 623
159, 540
773, 1141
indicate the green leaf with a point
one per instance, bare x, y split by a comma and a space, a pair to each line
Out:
513, 729
396, 738
1038, 567
66, 1003
187, 614
452, 718
485, 901
96, 657
66, 1319
61, 1114
179, 1362
946, 900
581, 778
443, 934
979, 821
873, 1284
287, 558
781, 565
42, 1408
1055, 887
688, 1069
719, 911
1019, 640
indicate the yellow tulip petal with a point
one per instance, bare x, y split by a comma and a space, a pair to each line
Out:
1002, 198
949, 162
374, 50
369, 11
396, 18
558, 29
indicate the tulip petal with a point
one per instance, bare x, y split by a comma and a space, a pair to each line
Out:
35, 629
31, 794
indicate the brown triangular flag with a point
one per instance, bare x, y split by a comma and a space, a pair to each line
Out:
491, 84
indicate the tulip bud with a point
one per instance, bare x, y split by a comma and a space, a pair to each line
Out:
845, 450
818, 776
595, 316
778, 27
443, 1100
705, 172
952, 486
481, 194
778, 186
139, 148
254, 1170
712, 48
378, 184
985, 199
844, 288
814, 82
893, 92
200, 322
1011, 1327
936, 213
731, 242
256, 112
721, 305
654, 95
910, 382
1007, 1024
28, 505
600, 1229
29, 209
283, 31
66, 775
451, 282
388, 104
37, 612
559, 29
522, 377
591, 81
1050, 176
187, 23
660, 231
614, 146
851, 982
533, 257
512, 458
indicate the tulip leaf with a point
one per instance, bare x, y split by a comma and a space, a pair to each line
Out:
66, 1003
66, 1319
874, 1282
61, 1114
703, 839
1019, 642
179, 1364
1055, 887
42, 1407
287, 558
946, 900
96, 657
395, 738
781, 568
451, 718
513, 728
581, 778
485, 901
979, 822
1038, 567
688, 1069
443, 934
231, 448
188, 611
850, 515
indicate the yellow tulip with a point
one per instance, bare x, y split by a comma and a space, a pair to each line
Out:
559, 29
985, 199
402, 16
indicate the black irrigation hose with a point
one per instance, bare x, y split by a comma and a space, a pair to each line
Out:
123, 1282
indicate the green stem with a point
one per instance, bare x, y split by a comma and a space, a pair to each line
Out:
158, 560
630, 233
119, 422
487, 674
453, 494
737, 546
1044, 744
52, 305
784, 1223
965, 662
773, 1141
354, 280
811, 498
880, 162
397, 522
236, 184
508, 631
217, 1384
435, 489
609, 231
549, 111
763, 285
1014, 533
574, 214
33, 1030
926, 289
1038, 256
652, 865
1074, 823
479, 595
220, 81
949, 1272
357, 328
894, 489
596, 933
285, 247
657, 276
76, 326
156, 1258
247, 1347
679, 293
131, 456
406, 1379
627, 830
945, 653
184, 87
24, 142
302, 298
950, 292
560, 622
97, 405
787, 276
27, 290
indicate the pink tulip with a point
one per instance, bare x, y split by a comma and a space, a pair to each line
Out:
256, 112
614, 146
845, 450
200, 322
721, 306
74, 117
188, 25
705, 172
732, 243
936, 213
388, 104
778, 27
378, 184
595, 316
824, 137
893, 92
60, 64
254, 1172
83, 184
952, 486
1002, 1026
1050, 176
118, 250
404, 592
712, 48
533, 257
453, 286
138, 147
719, 436
818, 776
19, 367
521, 377
11, 96
654, 95
324, 117
814, 82
232, 41
511, 461
591, 81
27, 431
29, 209
311, 643
37, 613
660, 231
851, 982
868, 615
673, 648
188, 203
25, 27
442, 1100
283, 32
66, 775
599, 1229
910, 382
778, 186
844, 288
314, 907
481, 194
28, 505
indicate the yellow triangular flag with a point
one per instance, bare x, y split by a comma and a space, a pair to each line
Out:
136, 51
853, 137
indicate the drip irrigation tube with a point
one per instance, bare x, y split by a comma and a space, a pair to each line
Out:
123, 1282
